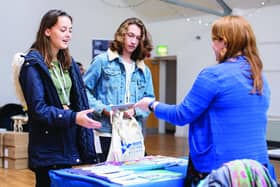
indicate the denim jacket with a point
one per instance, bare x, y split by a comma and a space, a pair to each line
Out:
105, 81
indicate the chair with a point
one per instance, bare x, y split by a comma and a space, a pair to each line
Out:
239, 173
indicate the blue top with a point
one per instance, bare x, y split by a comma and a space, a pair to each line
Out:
227, 122
105, 81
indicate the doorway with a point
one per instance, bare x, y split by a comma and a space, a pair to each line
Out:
170, 90
164, 72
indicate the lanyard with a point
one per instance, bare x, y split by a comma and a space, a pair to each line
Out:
62, 85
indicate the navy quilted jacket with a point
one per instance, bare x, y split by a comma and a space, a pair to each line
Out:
54, 138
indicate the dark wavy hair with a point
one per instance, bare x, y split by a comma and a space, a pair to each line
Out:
145, 44
240, 39
42, 42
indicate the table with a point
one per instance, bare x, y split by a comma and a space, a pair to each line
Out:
65, 178
274, 154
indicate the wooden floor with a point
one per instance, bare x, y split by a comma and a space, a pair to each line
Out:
167, 145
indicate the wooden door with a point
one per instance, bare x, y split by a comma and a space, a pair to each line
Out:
153, 64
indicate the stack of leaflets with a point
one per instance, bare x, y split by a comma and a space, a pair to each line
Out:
153, 162
105, 171
147, 177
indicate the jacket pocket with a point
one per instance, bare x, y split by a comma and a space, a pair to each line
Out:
111, 84
111, 73
51, 140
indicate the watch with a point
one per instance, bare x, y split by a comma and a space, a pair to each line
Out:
150, 106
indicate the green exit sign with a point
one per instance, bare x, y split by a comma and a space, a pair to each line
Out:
162, 50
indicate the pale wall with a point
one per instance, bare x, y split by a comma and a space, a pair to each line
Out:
20, 20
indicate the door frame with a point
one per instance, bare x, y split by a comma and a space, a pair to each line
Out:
157, 66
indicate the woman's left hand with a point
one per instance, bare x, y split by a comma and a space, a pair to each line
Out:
83, 120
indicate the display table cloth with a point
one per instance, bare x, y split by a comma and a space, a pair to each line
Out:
157, 170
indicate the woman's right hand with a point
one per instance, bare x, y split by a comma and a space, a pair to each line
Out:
106, 113
82, 119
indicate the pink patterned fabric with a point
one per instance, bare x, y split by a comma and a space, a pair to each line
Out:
248, 173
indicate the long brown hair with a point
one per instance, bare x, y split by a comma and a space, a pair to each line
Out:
42, 42
145, 44
239, 39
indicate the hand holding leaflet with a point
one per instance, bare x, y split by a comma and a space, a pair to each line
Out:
122, 107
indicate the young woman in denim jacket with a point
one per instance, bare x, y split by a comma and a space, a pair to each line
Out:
120, 76
60, 132
227, 104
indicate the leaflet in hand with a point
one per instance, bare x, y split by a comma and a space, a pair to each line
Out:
122, 106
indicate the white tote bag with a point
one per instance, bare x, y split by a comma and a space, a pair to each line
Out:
127, 139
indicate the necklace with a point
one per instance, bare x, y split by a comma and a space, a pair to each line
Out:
61, 84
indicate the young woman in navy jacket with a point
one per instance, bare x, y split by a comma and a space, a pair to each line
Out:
60, 129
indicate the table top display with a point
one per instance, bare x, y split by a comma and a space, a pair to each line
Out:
148, 171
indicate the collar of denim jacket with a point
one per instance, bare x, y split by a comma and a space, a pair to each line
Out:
114, 55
